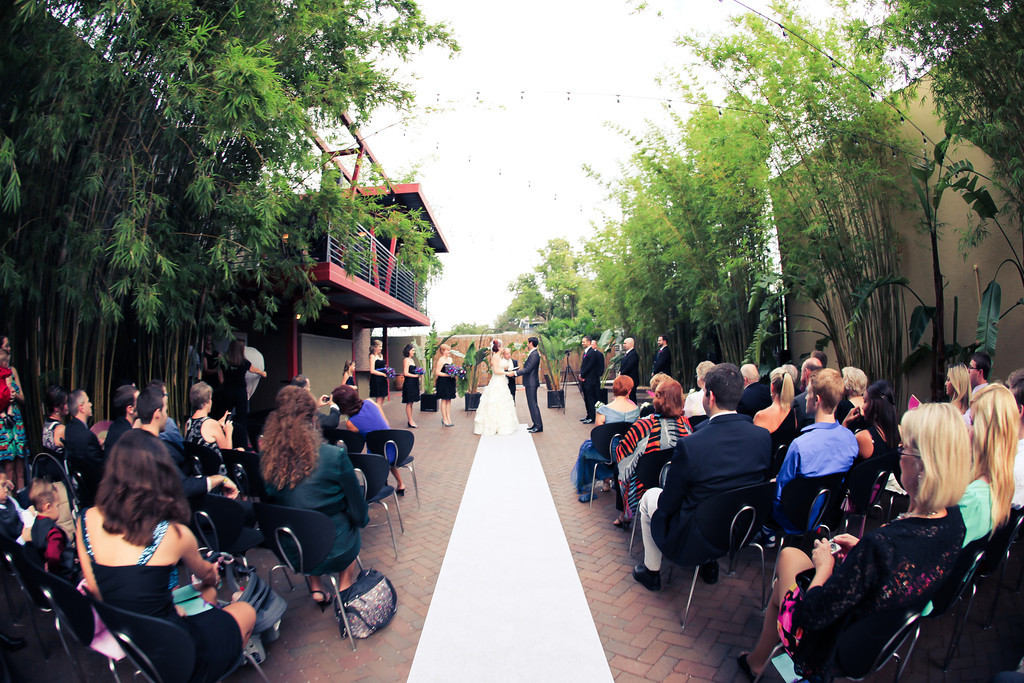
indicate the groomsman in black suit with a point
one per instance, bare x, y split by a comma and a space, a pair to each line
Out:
531, 382
663, 359
588, 367
515, 366
630, 366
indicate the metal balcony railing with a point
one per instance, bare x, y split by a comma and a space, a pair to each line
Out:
367, 258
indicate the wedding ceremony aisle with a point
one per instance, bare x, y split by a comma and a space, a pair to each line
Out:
508, 605
639, 632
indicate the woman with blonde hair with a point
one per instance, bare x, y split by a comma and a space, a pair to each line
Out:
958, 388
694, 404
302, 471
900, 565
445, 384
986, 503
779, 418
856, 381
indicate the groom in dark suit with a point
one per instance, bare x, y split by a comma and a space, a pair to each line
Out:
591, 369
530, 383
663, 359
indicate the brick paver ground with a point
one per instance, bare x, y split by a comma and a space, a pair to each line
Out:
640, 630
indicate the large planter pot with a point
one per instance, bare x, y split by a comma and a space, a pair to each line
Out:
428, 403
399, 381
602, 395
473, 401
556, 399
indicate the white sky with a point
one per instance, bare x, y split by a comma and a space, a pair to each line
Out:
503, 170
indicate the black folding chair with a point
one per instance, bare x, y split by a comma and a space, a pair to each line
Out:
398, 442
730, 520
21, 566
244, 470
996, 553
160, 649
219, 523
375, 469
602, 438
952, 590
209, 461
301, 539
72, 613
354, 441
662, 478
865, 483
866, 645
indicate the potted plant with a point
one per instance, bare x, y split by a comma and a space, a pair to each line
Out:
468, 386
553, 349
606, 342
428, 397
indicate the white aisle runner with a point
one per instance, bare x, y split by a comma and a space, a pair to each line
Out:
508, 605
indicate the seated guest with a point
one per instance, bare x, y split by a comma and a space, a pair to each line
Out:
756, 396
800, 400
986, 502
639, 466
364, 417
170, 433
45, 534
123, 415
151, 405
874, 423
978, 371
56, 403
779, 418
727, 452
694, 404
130, 544
83, 449
302, 471
1015, 383
895, 567
203, 430
647, 407
823, 448
620, 409
332, 418
856, 382
958, 388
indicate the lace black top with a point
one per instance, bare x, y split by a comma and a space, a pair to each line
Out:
899, 565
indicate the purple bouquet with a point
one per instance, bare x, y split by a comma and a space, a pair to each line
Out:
389, 371
456, 371
416, 370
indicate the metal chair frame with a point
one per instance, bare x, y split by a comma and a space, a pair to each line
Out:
402, 441
598, 435
373, 470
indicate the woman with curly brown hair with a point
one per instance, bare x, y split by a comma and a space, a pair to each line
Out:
130, 544
302, 471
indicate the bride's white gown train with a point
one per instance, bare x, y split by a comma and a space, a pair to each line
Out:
497, 411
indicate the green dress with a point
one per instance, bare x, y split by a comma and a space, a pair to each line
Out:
332, 488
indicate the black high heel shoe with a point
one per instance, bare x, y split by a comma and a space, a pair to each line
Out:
323, 604
411, 426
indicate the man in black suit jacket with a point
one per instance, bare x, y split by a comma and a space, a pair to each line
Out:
507, 353
591, 370
124, 415
630, 366
663, 359
530, 384
727, 452
756, 396
83, 450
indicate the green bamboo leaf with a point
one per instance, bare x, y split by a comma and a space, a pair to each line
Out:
988, 318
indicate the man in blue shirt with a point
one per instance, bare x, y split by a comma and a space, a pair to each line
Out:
824, 447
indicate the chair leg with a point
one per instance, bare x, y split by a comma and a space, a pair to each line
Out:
775, 570
341, 608
398, 509
693, 584
391, 527
906, 658
270, 576
593, 484
415, 486
67, 650
359, 562
961, 620
995, 598
256, 665
112, 665
16, 615
764, 578
632, 534
771, 656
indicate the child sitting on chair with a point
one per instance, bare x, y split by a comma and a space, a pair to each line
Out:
44, 534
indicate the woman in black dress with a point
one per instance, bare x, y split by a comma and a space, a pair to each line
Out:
348, 375
236, 395
445, 384
411, 386
378, 380
875, 424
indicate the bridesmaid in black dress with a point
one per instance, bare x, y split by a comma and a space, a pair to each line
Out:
348, 375
411, 386
378, 380
445, 384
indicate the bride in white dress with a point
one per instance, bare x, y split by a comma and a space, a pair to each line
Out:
497, 411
